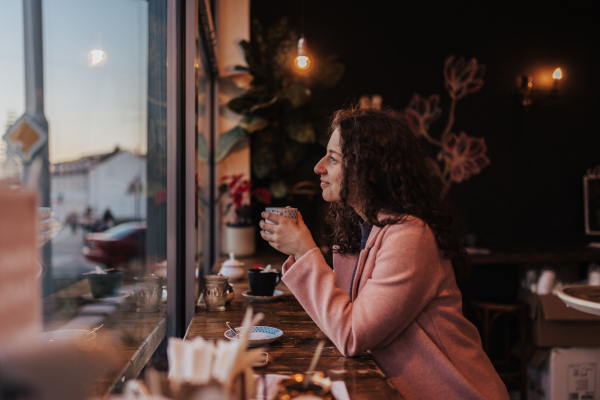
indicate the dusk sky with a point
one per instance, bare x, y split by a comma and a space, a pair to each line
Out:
90, 109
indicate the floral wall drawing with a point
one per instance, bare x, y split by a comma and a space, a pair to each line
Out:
461, 156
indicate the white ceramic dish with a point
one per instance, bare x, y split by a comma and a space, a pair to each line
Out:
68, 335
259, 336
89, 297
577, 303
263, 299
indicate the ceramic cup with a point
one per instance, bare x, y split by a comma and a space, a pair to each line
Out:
594, 278
263, 283
546, 282
147, 292
291, 213
105, 285
215, 289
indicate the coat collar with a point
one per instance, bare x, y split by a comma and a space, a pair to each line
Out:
376, 229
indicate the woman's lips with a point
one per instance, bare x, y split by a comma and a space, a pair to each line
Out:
324, 183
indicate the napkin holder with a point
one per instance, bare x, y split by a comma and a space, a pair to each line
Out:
157, 385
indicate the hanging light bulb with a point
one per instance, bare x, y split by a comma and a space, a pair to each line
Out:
302, 61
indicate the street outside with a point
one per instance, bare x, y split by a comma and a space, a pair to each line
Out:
68, 262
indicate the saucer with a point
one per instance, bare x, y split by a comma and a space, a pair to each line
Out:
259, 335
262, 299
89, 297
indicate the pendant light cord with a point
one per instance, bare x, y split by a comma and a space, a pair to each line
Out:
302, 20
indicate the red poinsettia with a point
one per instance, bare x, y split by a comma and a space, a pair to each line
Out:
465, 156
422, 112
237, 194
462, 77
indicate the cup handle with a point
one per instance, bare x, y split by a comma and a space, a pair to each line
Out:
278, 278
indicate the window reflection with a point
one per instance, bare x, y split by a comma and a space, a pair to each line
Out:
105, 103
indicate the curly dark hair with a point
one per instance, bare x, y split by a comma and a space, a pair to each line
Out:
385, 164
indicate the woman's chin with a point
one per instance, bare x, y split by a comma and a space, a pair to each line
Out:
330, 199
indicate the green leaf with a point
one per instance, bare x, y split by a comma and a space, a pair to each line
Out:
262, 163
278, 189
227, 141
292, 154
297, 93
253, 123
202, 148
243, 103
302, 132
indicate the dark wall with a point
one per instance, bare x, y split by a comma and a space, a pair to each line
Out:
532, 192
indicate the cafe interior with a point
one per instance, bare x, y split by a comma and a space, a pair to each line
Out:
145, 138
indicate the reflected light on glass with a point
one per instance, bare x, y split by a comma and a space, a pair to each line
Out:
97, 57
557, 74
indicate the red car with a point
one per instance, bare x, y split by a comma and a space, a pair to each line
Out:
117, 245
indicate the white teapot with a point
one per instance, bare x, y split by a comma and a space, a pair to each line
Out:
233, 269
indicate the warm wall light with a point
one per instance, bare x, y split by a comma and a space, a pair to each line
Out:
97, 57
557, 75
525, 85
529, 93
302, 61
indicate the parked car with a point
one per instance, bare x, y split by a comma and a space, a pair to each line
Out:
117, 245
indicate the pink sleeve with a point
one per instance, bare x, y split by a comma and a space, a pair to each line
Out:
287, 264
404, 280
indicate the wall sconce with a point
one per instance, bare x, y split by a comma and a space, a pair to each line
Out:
529, 94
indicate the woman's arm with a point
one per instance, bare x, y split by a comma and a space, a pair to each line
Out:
404, 280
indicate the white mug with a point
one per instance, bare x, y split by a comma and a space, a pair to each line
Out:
288, 212
594, 278
546, 282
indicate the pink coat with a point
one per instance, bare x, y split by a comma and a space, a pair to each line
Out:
406, 313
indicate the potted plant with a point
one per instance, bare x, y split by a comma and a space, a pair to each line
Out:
235, 193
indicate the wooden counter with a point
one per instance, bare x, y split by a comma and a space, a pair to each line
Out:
293, 352
135, 336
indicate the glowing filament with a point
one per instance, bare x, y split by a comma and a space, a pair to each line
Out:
557, 74
302, 62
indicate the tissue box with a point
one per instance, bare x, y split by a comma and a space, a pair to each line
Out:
564, 373
555, 324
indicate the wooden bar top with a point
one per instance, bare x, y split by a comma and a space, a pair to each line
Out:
133, 336
293, 352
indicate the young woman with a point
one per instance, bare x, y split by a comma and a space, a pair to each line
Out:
393, 291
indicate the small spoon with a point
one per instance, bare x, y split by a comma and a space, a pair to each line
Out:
313, 363
92, 331
232, 330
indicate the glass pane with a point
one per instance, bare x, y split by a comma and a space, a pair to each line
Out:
202, 167
12, 81
105, 102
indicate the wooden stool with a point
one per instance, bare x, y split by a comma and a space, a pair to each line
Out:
488, 313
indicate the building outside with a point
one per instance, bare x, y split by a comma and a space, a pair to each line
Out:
114, 181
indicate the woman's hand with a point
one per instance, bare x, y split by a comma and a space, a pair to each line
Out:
287, 237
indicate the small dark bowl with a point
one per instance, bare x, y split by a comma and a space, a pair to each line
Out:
106, 285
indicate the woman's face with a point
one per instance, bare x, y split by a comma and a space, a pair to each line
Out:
330, 169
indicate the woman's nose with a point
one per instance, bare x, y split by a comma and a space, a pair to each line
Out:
319, 168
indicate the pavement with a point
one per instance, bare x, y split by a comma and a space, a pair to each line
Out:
67, 260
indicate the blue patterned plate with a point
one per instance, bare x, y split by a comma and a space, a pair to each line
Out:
259, 336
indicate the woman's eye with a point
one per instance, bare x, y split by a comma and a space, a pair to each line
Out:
332, 159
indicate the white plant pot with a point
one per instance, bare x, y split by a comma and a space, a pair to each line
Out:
239, 240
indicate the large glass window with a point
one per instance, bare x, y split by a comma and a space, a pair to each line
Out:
105, 101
